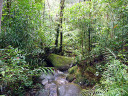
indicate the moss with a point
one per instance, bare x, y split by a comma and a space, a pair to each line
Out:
78, 74
70, 77
73, 70
60, 62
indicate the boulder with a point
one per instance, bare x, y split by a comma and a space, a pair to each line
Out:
44, 82
61, 81
52, 89
42, 92
47, 76
69, 90
60, 62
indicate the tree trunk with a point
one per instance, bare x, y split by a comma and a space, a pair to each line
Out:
1, 5
57, 35
61, 20
60, 26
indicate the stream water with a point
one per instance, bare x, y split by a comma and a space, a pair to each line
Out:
56, 85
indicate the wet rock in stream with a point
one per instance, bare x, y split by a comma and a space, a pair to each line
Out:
69, 90
42, 92
57, 85
52, 89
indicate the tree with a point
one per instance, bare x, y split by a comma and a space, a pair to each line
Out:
60, 26
61, 17
1, 5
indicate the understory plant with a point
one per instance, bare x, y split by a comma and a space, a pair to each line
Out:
15, 72
115, 80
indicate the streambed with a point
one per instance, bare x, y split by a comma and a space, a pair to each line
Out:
56, 85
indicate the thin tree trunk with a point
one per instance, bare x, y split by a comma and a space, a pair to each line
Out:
57, 35
59, 26
1, 5
61, 20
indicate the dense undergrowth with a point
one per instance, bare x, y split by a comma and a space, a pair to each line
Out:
94, 34
17, 74
115, 80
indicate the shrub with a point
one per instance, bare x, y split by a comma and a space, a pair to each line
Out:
15, 73
115, 80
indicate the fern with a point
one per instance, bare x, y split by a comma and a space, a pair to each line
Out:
111, 52
115, 79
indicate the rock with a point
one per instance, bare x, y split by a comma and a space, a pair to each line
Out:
45, 81
69, 90
47, 76
52, 89
59, 74
61, 81
60, 62
42, 92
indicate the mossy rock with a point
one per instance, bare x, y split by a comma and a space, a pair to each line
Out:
60, 62
72, 70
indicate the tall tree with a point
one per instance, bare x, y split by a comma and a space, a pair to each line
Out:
60, 26
61, 18
1, 5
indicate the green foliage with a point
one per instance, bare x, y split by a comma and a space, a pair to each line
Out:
28, 25
16, 75
73, 70
22, 29
115, 80
14, 71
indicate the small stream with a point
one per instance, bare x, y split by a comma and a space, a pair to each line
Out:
56, 85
